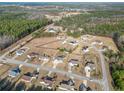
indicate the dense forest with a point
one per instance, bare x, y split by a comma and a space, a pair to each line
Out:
14, 26
95, 22
116, 63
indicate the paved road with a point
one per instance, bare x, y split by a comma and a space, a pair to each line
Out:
12, 61
104, 72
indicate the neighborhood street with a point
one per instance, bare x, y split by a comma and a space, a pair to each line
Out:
103, 82
13, 61
104, 76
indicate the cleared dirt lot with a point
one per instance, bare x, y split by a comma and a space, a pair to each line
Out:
94, 86
38, 43
4, 69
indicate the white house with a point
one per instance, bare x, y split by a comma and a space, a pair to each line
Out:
20, 52
90, 67
61, 37
32, 55
73, 62
44, 58
65, 41
58, 59
73, 42
85, 49
51, 30
97, 42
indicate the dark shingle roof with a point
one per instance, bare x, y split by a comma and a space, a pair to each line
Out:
82, 87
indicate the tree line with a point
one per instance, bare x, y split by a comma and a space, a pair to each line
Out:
97, 22
8, 85
15, 26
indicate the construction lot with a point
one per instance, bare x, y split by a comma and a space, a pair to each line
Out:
61, 64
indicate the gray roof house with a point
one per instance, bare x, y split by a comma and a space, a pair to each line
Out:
82, 87
67, 85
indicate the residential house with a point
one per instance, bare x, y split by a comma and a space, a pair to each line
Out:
104, 48
32, 55
48, 81
61, 37
52, 30
73, 42
85, 49
82, 87
90, 66
29, 76
14, 72
73, 62
98, 42
67, 85
44, 58
20, 52
59, 59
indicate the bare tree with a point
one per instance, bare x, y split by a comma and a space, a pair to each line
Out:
5, 41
